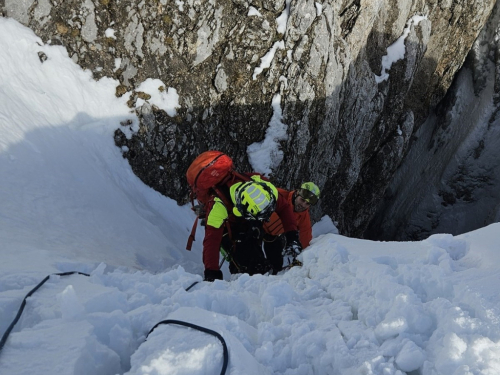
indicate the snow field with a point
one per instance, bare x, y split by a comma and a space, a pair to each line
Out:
347, 309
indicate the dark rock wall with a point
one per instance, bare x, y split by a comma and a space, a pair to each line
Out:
449, 182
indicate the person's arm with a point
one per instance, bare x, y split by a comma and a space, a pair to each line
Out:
214, 230
305, 229
211, 246
285, 211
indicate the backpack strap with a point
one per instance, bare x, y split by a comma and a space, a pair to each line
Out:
191, 238
240, 176
227, 202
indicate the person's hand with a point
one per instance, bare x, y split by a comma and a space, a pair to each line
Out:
293, 246
211, 275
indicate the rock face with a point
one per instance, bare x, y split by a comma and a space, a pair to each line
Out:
449, 182
349, 112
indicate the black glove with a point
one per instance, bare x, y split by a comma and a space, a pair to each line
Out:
293, 246
211, 275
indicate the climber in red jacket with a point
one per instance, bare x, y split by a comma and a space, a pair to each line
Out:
234, 224
300, 199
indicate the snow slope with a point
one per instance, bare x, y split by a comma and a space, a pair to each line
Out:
70, 202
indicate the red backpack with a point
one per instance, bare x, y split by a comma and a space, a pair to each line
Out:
206, 174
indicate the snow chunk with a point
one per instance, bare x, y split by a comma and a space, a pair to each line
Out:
253, 12
71, 307
411, 357
174, 349
457, 248
268, 58
266, 155
110, 33
282, 20
391, 328
168, 100
324, 226
319, 9
118, 63
397, 50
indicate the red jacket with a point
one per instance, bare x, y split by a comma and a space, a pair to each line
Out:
275, 227
214, 233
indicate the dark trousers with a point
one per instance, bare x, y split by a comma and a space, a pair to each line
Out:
273, 247
246, 255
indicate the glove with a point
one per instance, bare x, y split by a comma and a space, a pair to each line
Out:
293, 246
211, 275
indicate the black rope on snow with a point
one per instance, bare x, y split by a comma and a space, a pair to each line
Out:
193, 284
190, 325
203, 329
23, 304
